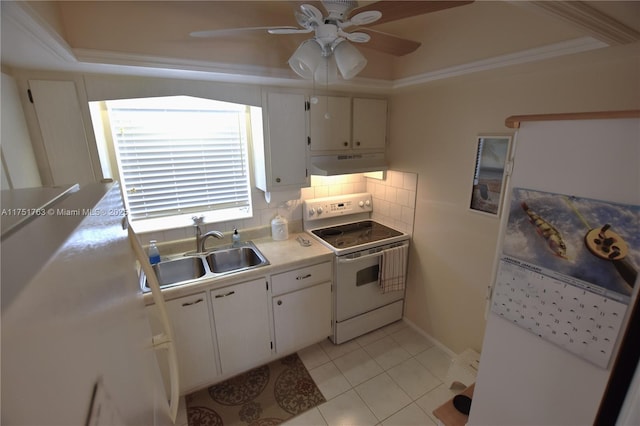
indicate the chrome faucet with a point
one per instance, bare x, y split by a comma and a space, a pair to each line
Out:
200, 238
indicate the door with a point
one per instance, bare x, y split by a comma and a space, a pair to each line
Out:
302, 317
285, 149
241, 317
369, 124
193, 339
358, 286
63, 133
330, 123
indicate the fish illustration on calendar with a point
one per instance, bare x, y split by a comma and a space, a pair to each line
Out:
567, 270
597, 242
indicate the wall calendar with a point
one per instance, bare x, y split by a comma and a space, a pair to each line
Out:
567, 270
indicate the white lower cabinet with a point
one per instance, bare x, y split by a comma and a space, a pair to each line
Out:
241, 318
193, 338
302, 307
302, 317
225, 331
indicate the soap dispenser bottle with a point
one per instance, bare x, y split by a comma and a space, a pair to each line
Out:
235, 238
154, 253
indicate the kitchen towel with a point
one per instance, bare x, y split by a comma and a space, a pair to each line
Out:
392, 269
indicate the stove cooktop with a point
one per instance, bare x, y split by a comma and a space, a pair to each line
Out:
355, 234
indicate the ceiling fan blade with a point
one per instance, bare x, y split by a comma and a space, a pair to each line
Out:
303, 20
366, 17
394, 10
357, 37
284, 30
312, 12
231, 31
388, 43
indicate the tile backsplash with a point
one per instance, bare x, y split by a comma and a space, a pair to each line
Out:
394, 201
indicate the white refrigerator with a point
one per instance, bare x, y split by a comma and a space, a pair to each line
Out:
543, 362
76, 343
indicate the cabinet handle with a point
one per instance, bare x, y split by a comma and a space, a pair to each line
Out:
278, 180
303, 277
218, 296
192, 303
279, 302
345, 143
358, 143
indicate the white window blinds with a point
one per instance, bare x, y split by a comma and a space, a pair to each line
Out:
181, 156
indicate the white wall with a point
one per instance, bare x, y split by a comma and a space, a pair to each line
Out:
433, 133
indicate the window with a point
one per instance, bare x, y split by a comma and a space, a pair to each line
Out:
180, 156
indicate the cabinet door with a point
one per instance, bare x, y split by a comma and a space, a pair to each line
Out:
330, 123
241, 317
369, 123
302, 317
285, 146
193, 338
62, 129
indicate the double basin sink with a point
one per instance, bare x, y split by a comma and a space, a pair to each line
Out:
190, 267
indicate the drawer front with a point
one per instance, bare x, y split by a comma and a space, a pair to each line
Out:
301, 278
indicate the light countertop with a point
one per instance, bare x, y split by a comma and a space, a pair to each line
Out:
282, 256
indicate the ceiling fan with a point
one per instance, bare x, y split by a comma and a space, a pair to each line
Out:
342, 24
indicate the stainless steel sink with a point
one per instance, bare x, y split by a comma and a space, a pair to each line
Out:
234, 258
177, 270
221, 261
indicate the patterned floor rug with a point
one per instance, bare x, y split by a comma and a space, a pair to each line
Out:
264, 396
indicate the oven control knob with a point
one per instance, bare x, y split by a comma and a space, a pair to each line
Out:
367, 203
312, 211
361, 203
319, 210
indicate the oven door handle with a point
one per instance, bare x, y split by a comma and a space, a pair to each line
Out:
356, 259
345, 259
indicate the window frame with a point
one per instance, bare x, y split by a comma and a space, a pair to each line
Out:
102, 123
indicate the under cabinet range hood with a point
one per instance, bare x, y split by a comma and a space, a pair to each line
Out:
342, 164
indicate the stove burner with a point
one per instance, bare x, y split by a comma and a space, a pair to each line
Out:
354, 234
345, 241
329, 232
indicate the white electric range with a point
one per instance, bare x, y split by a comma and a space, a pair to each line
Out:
343, 224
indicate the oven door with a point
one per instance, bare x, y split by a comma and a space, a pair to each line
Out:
358, 283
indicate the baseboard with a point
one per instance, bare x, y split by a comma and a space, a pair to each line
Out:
432, 339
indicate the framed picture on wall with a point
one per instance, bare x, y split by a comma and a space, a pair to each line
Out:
492, 152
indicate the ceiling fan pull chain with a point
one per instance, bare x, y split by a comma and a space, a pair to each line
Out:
327, 116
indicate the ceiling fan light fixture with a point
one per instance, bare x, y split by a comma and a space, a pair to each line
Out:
349, 60
306, 58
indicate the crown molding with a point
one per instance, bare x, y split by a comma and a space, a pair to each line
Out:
586, 17
22, 15
261, 75
215, 71
581, 44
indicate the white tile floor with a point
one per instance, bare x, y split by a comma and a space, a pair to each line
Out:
393, 376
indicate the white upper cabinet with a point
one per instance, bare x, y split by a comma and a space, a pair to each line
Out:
280, 142
17, 151
329, 123
369, 123
62, 132
347, 124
